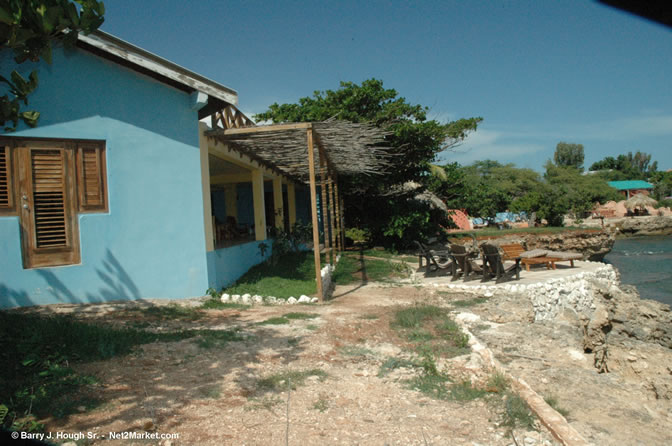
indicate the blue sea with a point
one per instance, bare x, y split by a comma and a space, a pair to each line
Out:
645, 262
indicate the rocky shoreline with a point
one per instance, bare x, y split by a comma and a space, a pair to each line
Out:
629, 226
603, 352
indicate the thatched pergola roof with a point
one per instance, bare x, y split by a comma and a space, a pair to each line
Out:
349, 148
640, 201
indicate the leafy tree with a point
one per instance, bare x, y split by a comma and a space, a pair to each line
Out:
626, 167
484, 187
581, 191
28, 28
662, 182
415, 141
549, 202
569, 155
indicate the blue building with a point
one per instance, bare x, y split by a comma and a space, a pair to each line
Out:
119, 193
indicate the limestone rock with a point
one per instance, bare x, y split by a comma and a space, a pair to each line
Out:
292, 300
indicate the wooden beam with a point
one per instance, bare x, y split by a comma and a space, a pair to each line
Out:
340, 205
138, 57
325, 207
313, 208
339, 228
205, 188
231, 178
332, 223
259, 208
262, 129
291, 203
278, 205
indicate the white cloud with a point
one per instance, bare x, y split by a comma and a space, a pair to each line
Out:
491, 144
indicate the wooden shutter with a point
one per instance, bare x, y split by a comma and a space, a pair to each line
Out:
48, 219
48, 169
6, 192
91, 178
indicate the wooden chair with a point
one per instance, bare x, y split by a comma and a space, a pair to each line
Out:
435, 260
493, 259
466, 263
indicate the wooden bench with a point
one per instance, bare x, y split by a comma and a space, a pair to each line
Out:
514, 251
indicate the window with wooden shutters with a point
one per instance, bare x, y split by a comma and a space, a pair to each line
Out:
6, 191
50, 233
91, 178
46, 182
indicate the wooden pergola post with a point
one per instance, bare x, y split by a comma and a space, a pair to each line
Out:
325, 206
342, 218
332, 223
313, 207
339, 224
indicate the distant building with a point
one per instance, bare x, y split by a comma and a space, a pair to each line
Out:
632, 187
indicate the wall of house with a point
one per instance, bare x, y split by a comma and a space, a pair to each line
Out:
227, 265
151, 243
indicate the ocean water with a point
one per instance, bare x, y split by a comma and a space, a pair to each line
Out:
645, 262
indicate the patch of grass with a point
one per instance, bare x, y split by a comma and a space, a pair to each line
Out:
216, 338
414, 316
267, 403
293, 342
552, 401
290, 379
37, 351
354, 350
345, 271
497, 383
419, 335
291, 275
369, 317
170, 312
465, 391
280, 320
395, 363
287, 318
312, 327
301, 316
322, 404
216, 304
384, 254
352, 270
517, 413
468, 302
433, 386
431, 328
213, 393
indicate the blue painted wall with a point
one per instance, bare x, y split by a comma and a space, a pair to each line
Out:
228, 264
151, 244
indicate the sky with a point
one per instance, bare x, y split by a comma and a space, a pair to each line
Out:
537, 72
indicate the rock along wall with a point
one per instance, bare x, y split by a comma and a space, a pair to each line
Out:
600, 295
576, 292
594, 245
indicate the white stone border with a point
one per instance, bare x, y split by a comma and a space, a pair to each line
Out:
248, 299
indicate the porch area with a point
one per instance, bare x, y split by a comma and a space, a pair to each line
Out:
259, 181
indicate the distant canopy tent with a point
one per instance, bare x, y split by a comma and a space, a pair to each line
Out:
343, 149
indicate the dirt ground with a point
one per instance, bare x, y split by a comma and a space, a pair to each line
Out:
212, 396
